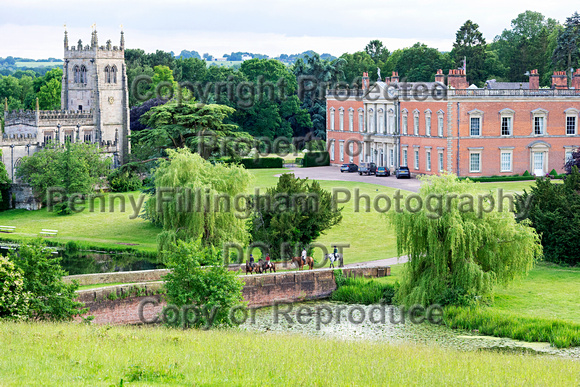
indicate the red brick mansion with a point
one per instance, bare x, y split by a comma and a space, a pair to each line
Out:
505, 128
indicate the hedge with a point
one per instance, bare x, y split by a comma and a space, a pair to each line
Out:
316, 159
489, 179
263, 162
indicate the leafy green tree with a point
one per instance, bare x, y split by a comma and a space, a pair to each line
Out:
49, 95
567, 52
554, 211
275, 110
455, 253
470, 44
163, 84
185, 173
314, 74
13, 297
296, 214
76, 168
198, 127
377, 51
50, 297
212, 288
192, 69
524, 46
354, 66
420, 63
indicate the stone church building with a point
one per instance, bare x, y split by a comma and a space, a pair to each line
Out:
94, 103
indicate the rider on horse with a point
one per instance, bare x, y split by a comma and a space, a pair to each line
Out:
304, 255
252, 264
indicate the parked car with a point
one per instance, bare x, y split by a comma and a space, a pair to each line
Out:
403, 172
349, 168
383, 171
367, 168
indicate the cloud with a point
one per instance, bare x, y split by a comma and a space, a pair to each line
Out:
268, 27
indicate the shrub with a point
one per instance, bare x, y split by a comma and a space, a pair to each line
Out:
316, 159
204, 288
13, 297
123, 180
554, 211
526, 173
554, 173
262, 162
50, 298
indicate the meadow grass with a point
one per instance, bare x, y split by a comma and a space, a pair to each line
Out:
108, 229
85, 355
359, 290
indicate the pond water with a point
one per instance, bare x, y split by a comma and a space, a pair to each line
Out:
89, 262
94, 262
385, 331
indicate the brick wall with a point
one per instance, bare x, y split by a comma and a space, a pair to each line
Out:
120, 304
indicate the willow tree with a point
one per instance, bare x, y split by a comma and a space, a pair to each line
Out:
456, 252
196, 199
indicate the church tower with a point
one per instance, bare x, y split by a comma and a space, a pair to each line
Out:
95, 81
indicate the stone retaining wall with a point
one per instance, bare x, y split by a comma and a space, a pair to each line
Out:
119, 304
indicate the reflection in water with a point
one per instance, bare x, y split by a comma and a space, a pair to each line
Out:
88, 263
426, 333
83, 262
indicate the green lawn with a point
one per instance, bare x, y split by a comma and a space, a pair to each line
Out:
106, 229
368, 233
85, 355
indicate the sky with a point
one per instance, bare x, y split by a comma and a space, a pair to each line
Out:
34, 28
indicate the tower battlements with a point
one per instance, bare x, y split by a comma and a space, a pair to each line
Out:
93, 50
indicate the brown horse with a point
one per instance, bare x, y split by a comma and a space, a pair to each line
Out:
266, 265
255, 268
300, 263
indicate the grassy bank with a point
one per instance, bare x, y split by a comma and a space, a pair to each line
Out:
73, 354
110, 229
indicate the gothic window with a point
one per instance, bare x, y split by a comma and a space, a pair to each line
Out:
114, 74
77, 74
107, 75
88, 137
83, 74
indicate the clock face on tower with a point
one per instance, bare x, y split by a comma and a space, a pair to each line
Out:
111, 100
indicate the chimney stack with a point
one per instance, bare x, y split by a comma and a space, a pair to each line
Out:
576, 80
457, 79
365, 81
439, 77
534, 80
395, 77
559, 80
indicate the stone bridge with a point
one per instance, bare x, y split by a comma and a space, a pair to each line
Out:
119, 304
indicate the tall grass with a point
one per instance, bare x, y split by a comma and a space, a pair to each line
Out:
359, 290
86, 355
559, 333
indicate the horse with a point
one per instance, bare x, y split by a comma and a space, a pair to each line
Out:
266, 265
300, 263
253, 268
333, 258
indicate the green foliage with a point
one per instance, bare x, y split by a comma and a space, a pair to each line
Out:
488, 179
190, 125
263, 162
459, 249
313, 73
50, 298
554, 212
418, 63
13, 296
553, 173
124, 180
559, 333
316, 159
199, 278
297, 214
163, 84
153, 373
526, 173
49, 95
470, 44
567, 51
76, 168
359, 290
185, 170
